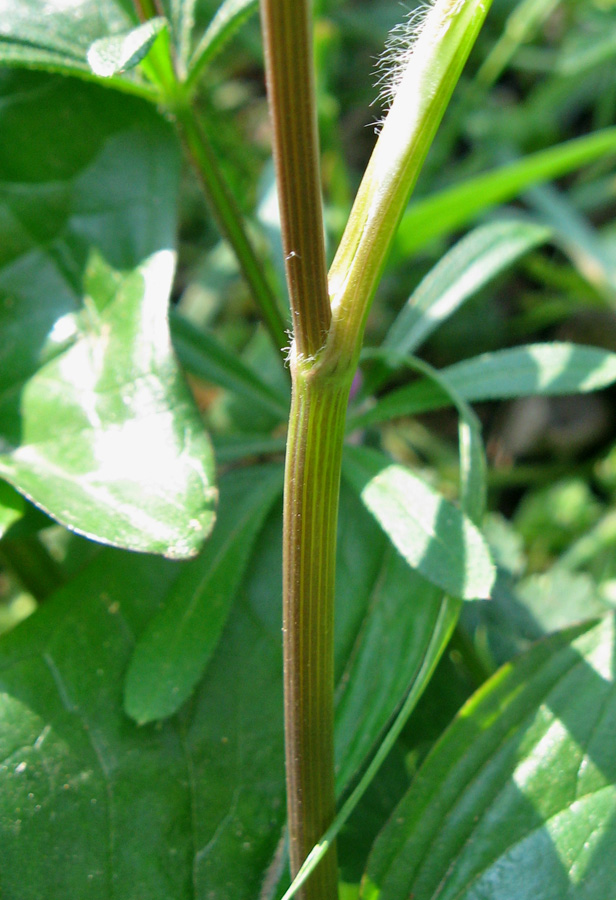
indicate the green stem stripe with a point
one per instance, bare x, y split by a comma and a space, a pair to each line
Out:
229, 219
314, 453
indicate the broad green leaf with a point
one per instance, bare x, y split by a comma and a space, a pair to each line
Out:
432, 535
100, 806
517, 800
466, 268
203, 355
56, 36
231, 14
454, 207
543, 369
97, 427
12, 507
110, 55
173, 652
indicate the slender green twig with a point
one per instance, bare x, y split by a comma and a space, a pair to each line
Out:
229, 219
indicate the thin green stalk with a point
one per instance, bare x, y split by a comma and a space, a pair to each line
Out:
426, 85
312, 482
287, 35
229, 218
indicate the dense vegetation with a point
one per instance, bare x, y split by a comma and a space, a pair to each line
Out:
141, 458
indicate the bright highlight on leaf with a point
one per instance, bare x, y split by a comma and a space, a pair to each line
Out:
111, 443
109, 55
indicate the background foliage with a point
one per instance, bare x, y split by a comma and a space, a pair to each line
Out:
141, 750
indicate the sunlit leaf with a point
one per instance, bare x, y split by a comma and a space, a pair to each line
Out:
454, 207
109, 55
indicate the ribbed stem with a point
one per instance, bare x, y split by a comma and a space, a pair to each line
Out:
312, 482
229, 220
287, 35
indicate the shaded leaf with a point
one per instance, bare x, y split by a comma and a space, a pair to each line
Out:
517, 798
432, 535
172, 654
407, 620
12, 507
203, 355
93, 789
204, 791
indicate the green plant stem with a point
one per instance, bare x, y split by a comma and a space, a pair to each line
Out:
312, 482
229, 218
287, 35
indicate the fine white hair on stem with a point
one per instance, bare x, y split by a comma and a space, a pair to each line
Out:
394, 60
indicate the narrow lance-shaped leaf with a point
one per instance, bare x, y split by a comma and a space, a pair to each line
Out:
471, 450
203, 355
432, 534
517, 800
454, 207
533, 369
172, 653
230, 16
459, 274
